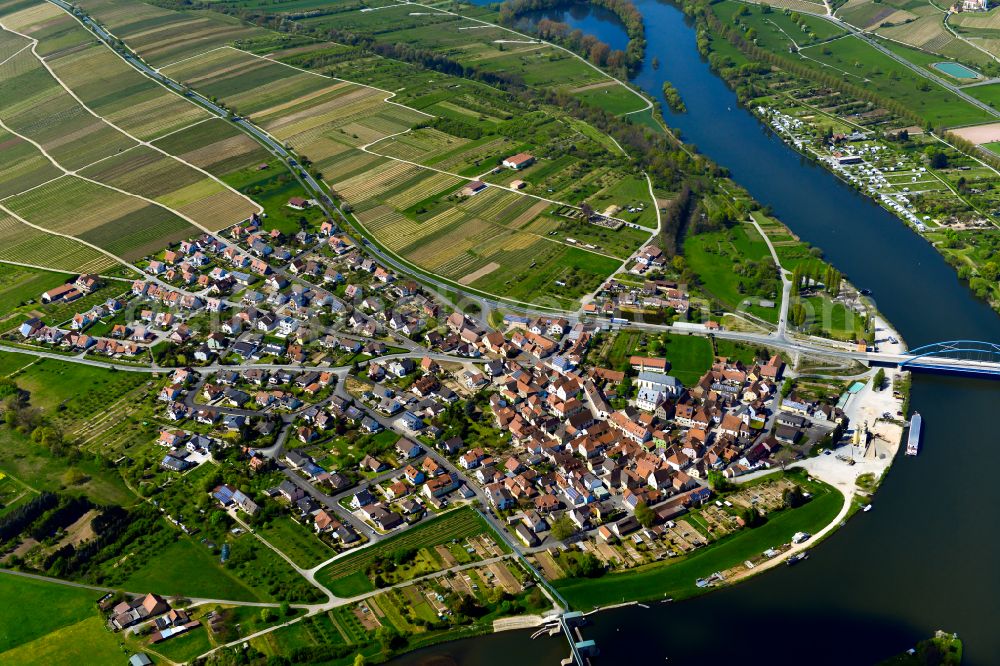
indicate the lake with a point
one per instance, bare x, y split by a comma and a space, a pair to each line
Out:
925, 557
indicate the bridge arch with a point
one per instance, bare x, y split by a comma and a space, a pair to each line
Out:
965, 350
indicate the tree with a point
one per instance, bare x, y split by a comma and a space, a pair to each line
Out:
563, 528
285, 609
359, 659
644, 514
879, 380
267, 615
718, 482
793, 497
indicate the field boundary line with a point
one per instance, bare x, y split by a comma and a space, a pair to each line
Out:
197, 55
65, 87
87, 166
186, 127
387, 100
35, 187
12, 55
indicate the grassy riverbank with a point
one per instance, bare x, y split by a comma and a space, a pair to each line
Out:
676, 578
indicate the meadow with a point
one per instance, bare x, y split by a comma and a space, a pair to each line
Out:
19, 285
297, 541
712, 256
60, 623
857, 62
190, 569
863, 65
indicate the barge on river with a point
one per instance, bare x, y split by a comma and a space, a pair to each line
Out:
913, 442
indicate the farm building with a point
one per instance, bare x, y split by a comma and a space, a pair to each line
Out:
519, 161
474, 187
65, 293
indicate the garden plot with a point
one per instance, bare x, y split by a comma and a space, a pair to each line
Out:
25, 245
34, 105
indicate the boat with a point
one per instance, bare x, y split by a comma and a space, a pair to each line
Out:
798, 557
867, 508
913, 441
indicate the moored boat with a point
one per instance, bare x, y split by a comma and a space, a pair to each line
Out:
913, 440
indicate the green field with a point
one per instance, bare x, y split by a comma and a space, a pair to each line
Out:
86, 642
55, 387
690, 357
989, 94
189, 569
713, 255
38, 468
862, 65
297, 541
53, 607
19, 285
676, 578
344, 576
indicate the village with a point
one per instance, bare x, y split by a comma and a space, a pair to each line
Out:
381, 408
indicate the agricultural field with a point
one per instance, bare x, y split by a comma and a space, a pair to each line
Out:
35, 466
61, 622
76, 138
859, 64
162, 36
20, 285
34, 105
22, 166
26, 245
169, 182
102, 80
54, 387
345, 577
480, 241
216, 146
118, 223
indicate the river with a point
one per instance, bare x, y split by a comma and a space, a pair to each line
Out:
926, 556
